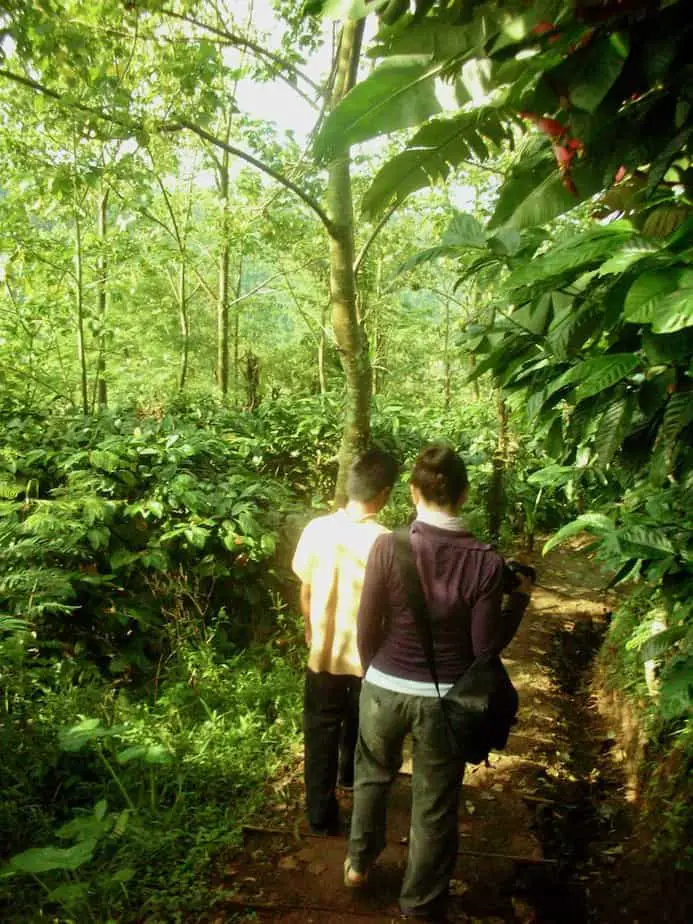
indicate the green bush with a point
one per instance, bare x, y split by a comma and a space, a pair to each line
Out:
113, 801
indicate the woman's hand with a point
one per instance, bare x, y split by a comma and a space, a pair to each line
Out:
525, 584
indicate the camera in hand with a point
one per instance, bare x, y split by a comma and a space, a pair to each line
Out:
513, 572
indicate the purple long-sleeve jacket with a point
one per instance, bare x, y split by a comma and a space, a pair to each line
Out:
462, 580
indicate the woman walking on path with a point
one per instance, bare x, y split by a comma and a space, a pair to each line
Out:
462, 581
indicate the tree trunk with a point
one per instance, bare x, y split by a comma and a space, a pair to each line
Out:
446, 357
184, 325
79, 303
349, 334
101, 390
223, 290
322, 380
237, 332
475, 383
472, 315
375, 329
496, 494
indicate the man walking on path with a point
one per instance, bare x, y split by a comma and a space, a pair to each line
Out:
330, 561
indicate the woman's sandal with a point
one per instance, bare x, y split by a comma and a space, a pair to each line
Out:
352, 879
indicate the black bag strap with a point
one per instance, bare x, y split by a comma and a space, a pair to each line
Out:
417, 600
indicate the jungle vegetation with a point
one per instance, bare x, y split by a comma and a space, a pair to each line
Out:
474, 223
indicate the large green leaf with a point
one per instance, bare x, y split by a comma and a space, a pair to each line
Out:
662, 298
430, 156
677, 416
648, 543
427, 256
434, 37
537, 193
612, 428
535, 316
597, 373
399, 93
595, 69
44, 859
576, 253
603, 372
589, 522
340, 9
570, 331
86, 731
464, 231
633, 252
542, 203
676, 690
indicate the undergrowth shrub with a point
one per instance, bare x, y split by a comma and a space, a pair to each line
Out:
107, 522
117, 803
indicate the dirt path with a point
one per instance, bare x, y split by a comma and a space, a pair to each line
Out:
525, 821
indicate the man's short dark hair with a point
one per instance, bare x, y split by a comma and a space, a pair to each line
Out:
370, 473
440, 475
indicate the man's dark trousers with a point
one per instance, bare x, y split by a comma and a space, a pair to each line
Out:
330, 729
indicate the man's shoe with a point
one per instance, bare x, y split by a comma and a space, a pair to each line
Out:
431, 917
352, 879
326, 830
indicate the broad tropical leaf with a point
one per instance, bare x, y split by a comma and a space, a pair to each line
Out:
676, 691
588, 522
595, 374
77, 736
535, 316
603, 372
662, 298
552, 476
595, 69
612, 428
439, 39
576, 253
536, 204
431, 154
44, 859
633, 252
678, 414
340, 9
571, 330
661, 643
398, 94
464, 231
427, 256
650, 543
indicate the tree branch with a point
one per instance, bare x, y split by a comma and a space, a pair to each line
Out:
265, 282
372, 236
245, 42
177, 126
264, 168
81, 107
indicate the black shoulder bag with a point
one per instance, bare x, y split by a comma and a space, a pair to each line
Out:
481, 707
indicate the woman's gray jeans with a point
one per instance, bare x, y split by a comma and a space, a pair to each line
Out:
385, 719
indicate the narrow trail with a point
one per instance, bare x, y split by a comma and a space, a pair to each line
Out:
525, 821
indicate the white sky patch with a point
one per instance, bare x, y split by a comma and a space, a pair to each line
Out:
462, 197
